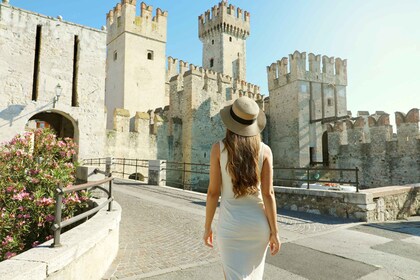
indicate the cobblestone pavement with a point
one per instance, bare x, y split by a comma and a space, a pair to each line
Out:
161, 230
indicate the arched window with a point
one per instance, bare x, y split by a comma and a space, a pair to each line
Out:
212, 42
230, 39
150, 55
211, 62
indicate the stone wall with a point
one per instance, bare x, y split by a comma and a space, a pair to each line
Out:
148, 139
136, 58
196, 97
301, 99
18, 29
373, 205
367, 142
223, 32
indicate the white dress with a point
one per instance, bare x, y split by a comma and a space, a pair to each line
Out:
243, 231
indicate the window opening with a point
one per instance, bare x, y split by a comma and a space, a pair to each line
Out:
329, 102
74, 97
150, 55
211, 62
115, 55
35, 84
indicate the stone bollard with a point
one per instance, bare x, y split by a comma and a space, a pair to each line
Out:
157, 172
85, 174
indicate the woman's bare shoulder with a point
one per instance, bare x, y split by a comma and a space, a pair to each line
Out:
215, 148
267, 152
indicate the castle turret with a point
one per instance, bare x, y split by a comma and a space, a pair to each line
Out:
136, 61
302, 101
223, 32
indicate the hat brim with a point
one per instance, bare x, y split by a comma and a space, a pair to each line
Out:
243, 129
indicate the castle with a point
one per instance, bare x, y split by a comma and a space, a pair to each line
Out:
159, 107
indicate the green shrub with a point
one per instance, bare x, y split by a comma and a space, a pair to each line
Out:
32, 165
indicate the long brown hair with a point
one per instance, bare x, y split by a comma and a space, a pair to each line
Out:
242, 163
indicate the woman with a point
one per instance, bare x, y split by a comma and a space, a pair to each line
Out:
241, 172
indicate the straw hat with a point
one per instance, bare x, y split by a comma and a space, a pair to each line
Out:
243, 117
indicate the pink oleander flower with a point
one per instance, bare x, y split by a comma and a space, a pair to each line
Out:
49, 218
33, 172
10, 189
21, 196
49, 237
35, 244
61, 144
44, 201
7, 240
9, 255
69, 165
34, 180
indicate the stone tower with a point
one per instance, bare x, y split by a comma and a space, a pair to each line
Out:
136, 61
223, 32
302, 102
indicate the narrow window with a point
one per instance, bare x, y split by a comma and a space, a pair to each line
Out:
211, 62
150, 55
119, 21
35, 84
115, 55
74, 97
329, 102
212, 42
230, 39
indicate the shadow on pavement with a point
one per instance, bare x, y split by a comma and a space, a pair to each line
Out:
405, 227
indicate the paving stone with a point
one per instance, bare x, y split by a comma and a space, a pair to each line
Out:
161, 230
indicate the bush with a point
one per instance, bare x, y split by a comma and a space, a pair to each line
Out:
32, 165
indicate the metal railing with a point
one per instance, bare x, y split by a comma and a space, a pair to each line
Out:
60, 191
182, 173
314, 175
124, 167
188, 175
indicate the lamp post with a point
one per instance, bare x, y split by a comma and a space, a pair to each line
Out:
58, 91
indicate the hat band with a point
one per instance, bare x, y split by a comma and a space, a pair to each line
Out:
240, 120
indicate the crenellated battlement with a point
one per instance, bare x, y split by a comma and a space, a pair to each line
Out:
368, 142
123, 18
224, 18
376, 127
143, 121
179, 71
332, 71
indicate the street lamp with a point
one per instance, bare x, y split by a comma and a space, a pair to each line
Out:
58, 91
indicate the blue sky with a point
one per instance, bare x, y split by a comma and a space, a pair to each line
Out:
380, 39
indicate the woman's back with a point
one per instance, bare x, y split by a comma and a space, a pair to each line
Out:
243, 231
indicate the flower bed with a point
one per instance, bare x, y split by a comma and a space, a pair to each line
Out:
32, 165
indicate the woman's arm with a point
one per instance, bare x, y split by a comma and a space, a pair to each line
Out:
213, 193
269, 199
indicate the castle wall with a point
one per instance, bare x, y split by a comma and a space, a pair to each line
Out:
383, 160
301, 99
136, 78
196, 98
17, 55
147, 139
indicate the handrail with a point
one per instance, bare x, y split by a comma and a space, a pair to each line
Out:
185, 169
58, 224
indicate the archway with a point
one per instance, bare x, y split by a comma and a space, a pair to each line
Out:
63, 125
